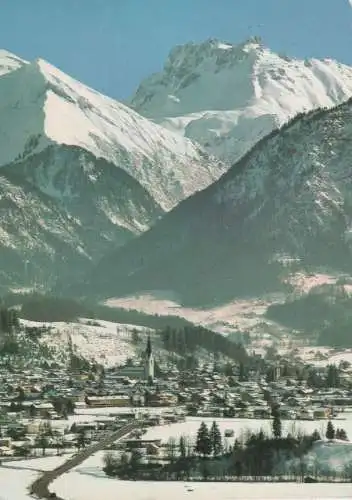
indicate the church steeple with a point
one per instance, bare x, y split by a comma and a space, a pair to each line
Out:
149, 361
148, 351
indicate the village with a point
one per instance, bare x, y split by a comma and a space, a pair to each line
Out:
52, 410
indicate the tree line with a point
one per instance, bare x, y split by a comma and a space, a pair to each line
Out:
187, 340
254, 455
46, 308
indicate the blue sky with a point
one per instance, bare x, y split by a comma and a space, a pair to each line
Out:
112, 44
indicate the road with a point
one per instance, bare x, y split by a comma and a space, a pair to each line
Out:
40, 487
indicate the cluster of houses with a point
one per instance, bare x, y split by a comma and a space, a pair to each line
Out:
206, 393
71, 403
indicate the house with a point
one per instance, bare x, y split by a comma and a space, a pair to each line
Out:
112, 401
43, 409
152, 449
261, 412
133, 444
132, 372
321, 413
162, 399
6, 447
138, 399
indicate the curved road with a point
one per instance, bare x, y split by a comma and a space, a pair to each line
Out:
40, 487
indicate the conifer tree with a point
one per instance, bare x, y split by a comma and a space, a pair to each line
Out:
332, 377
242, 373
330, 431
216, 439
182, 447
277, 428
316, 435
341, 434
203, 443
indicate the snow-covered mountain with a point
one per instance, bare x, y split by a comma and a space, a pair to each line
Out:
285, 206
81, 173
40, 106
9, 62
227, 97
56, 225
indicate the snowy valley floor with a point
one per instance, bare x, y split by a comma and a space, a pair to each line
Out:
225, 319
17, 476
94, 488
242, 425
88, 482
243, 315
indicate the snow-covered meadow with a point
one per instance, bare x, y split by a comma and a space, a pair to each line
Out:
226, 319
246, 315
104, 342
94, 484
17, 476
243, 426
83, 486
88, 482
323, 356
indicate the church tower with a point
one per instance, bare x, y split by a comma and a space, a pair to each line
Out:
149, 361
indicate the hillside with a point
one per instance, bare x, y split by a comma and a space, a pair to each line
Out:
228, 96
284, 207
322, 315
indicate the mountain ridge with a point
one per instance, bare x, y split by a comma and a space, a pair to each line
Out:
41, 106
9, 62
287, 199
227, 96
81, 174
46, 235
62, 140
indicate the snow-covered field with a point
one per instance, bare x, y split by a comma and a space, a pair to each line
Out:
88, 482
83, 486
225, 319
17, 476
105, 342
93, 483
305, 283
336, 454
244, 315
322, 356
241, 426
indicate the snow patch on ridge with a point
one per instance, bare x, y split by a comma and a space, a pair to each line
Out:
9, 62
